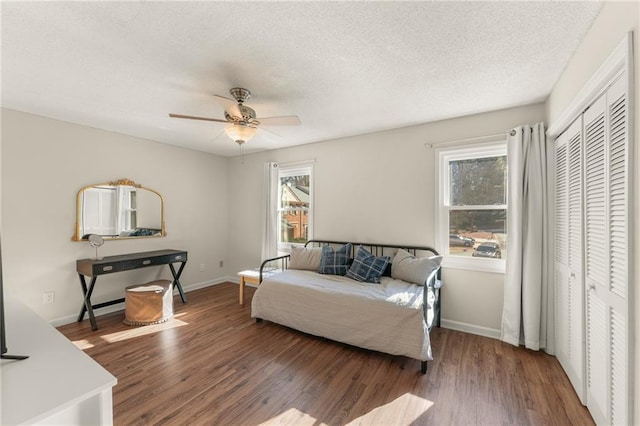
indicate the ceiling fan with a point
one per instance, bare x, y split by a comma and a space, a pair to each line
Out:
242, 120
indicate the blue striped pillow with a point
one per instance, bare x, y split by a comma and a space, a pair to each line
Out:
335, 262
367, 267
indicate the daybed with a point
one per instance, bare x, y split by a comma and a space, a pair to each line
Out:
375, 296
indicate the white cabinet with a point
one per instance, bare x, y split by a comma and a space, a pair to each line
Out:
58, 384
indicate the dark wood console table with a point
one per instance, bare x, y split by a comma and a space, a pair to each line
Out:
125, 262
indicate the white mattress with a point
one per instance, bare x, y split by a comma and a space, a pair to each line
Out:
386, 317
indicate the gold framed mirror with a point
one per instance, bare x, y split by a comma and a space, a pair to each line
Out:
118, 210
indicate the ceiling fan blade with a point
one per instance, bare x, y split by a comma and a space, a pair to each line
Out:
191, 117
268, 134
285, 120
229, 105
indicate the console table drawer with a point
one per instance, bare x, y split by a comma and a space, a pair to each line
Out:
94, 269
144, 262
106, 268
182, 257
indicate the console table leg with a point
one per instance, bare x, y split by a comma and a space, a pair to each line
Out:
83, 284
176, 280
86, 307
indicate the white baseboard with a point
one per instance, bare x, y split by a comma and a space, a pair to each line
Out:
197, 286
120, 306
470, 328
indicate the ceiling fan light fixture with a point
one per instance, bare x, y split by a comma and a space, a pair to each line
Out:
240, 133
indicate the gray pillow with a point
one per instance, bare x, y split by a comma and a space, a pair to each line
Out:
305, 258
407, 267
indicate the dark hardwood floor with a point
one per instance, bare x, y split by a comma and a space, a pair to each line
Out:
212, 364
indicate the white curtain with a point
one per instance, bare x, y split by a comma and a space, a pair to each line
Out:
528, 313
122, 209
269, 212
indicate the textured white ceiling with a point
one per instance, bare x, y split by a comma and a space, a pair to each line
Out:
345, 68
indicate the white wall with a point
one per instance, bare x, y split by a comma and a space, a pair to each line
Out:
45, 162
378, 187
611, 26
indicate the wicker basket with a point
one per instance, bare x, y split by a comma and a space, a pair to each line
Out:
149, 303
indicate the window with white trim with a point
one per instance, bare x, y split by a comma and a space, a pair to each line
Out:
472, 213
295, 204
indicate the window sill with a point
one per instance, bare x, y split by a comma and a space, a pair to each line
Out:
497, 266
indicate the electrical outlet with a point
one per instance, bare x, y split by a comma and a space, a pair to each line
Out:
202, 267
221, 263
48, 297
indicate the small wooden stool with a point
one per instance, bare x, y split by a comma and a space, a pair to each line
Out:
252, 276
149, 303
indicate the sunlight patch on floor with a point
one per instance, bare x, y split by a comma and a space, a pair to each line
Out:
143, 330
403, 410
292, 417
83, 344
135, 331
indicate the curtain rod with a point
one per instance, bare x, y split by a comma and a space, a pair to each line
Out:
293, 163
512, 132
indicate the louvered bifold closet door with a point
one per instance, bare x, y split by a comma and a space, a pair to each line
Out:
619, 251
607, 255
568, 248
562, 251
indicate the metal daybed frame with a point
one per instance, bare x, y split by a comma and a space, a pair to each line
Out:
282, 263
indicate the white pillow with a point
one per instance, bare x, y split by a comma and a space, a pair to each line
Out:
407, 267
305, 258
